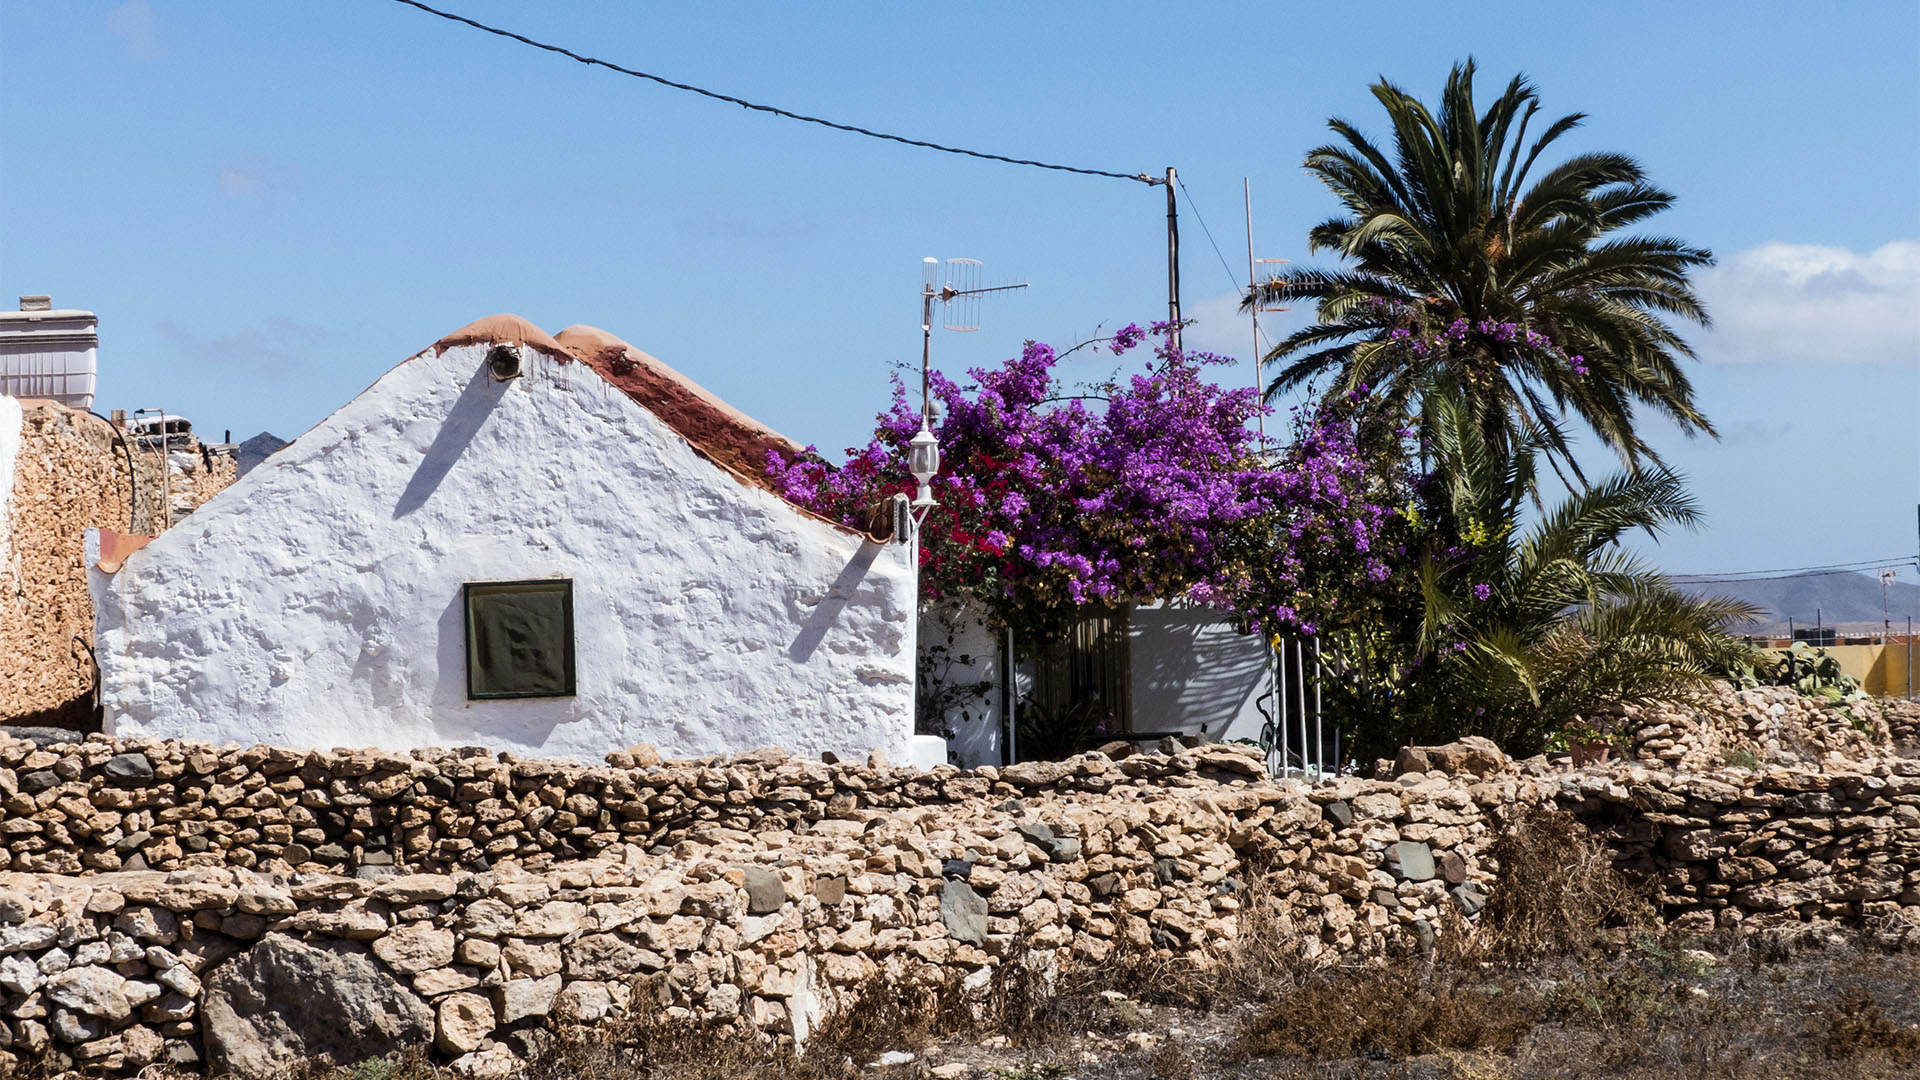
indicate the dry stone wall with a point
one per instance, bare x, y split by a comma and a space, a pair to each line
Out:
1735, 848
161, 897
768, 892
1903, 721
71, 475
1766, 725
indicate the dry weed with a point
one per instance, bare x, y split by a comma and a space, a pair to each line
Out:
1858, 1027
1557, 890
1389, 1012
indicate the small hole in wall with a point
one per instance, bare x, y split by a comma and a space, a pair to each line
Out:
503, 361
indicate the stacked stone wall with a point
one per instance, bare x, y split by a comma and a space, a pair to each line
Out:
1767, 725
1903, 722
1754, 849
156, 888
71, 475
762, 891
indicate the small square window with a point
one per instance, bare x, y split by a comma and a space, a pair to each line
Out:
519, 638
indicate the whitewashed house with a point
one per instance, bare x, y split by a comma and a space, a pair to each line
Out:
553, 545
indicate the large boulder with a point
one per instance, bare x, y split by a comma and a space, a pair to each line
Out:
1473, 755
284, 1002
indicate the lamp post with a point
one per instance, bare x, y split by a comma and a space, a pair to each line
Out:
923, 453
923, 459
923, 450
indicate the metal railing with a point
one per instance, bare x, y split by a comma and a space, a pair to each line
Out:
1296, 737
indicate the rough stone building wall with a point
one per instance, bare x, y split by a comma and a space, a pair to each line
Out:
70, 474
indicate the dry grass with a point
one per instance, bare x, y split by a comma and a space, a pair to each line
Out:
1557, 891
1858, 1027
1388, 1012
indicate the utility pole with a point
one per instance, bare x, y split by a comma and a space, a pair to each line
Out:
1173, 258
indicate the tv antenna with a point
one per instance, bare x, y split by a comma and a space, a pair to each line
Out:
955, 286
1887, 576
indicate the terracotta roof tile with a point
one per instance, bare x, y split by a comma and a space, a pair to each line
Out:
720, 433
501, 330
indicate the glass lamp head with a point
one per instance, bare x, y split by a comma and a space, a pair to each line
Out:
923, 459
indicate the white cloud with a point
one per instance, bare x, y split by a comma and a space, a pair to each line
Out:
1801, 303
257, 176
277, 347
1219, 326
138, 28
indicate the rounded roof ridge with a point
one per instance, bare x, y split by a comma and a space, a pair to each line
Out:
505, 329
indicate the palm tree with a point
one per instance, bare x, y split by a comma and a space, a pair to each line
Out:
1523, 632
1521, 292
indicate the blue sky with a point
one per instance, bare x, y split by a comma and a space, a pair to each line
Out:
270, 204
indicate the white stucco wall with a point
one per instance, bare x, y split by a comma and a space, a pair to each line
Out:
956, 648
316, 602
11, 419
1193, 671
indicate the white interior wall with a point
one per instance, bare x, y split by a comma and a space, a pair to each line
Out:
316, 602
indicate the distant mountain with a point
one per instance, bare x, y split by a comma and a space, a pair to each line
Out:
256, 450
1848, 602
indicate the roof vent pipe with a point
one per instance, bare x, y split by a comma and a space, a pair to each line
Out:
504, 362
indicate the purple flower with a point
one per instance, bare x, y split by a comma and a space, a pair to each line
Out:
1481, 592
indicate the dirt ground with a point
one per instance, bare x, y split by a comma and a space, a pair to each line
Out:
1843, 1008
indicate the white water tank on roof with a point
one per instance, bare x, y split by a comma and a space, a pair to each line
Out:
48, 352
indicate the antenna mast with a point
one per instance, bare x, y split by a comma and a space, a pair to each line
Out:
1253, 305
1253, 301
959, 292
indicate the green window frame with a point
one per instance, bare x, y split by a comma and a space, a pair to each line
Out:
519, 638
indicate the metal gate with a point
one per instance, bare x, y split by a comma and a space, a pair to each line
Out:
1295, 736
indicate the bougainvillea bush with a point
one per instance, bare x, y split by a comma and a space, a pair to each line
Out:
1153, 488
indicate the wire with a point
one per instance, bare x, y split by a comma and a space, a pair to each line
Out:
1203, 228
133, 477
1191, 205
1826, 570
1138, 177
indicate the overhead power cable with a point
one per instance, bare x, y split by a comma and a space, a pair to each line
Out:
1824, 570
1191, 205
755, 106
